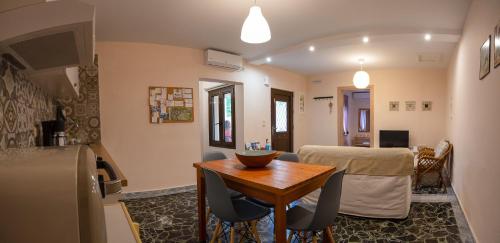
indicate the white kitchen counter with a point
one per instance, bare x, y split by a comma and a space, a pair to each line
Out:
119, 226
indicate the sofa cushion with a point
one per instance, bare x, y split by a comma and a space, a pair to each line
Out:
360, 161
441, 148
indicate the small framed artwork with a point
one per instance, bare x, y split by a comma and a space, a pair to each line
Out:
497, 45
302, 101
393, 105
411, 105
484, 62
427, 105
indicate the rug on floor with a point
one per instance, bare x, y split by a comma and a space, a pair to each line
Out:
173, 218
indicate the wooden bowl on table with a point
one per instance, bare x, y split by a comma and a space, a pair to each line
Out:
255, 159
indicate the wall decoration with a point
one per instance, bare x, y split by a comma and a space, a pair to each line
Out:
302, 103
23, 105
411, 105
83, 123
170, 105
497, 45
393, 105
426, 105
484, 54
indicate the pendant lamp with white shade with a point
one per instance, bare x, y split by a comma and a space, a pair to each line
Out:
361, 79
255, 29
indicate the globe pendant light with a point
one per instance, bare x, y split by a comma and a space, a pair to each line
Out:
361, 78
255, 29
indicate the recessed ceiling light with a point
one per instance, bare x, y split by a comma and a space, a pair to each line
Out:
269, 59
366, 39
428, 37
312, 48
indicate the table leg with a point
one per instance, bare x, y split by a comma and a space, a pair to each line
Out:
280, 220
202, 220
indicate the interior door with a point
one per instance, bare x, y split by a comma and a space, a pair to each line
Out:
281, 120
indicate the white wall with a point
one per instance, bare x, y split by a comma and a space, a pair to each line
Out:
426, 128
157, 156
473, 125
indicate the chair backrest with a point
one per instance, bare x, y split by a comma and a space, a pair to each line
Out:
328, 202
292, 157
214, 155
219, 199
442, 149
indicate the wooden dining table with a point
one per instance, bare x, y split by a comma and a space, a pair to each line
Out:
279, 183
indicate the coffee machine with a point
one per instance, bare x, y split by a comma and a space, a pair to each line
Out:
53, 130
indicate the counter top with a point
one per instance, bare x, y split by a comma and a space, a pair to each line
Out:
101, 151
119, 225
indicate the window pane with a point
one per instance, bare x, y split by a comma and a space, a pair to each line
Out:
215, 120
228, 111
281, 116
362, 120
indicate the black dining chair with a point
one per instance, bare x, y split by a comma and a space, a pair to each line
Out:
291, 157
299, 219
217, 155
229, 210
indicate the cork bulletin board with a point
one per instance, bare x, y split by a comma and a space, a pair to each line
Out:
170, 105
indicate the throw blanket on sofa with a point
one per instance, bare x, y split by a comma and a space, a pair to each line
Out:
361, 161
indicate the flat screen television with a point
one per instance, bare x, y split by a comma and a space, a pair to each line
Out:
394, 139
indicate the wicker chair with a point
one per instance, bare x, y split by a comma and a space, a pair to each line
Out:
429, 163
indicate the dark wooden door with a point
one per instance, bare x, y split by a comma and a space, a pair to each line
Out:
281, 120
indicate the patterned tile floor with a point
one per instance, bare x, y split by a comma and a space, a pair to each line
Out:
429, 190
172, 218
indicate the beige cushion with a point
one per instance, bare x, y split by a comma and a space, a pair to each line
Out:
441, 148
360, 161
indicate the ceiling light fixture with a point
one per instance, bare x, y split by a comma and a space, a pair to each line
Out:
361, 79
312, 48
427, 37
366, 39
269, 59
255, 29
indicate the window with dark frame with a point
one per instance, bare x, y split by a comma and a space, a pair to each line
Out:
221, 117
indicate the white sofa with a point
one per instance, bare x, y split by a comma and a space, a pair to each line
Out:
377, 182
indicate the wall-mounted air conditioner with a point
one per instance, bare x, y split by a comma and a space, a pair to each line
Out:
223, 60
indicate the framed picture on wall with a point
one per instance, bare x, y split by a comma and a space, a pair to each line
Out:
497, 45
484, 59
393, 105
411, 105
426, 105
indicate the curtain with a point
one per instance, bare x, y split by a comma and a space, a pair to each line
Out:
346, 115
362, 120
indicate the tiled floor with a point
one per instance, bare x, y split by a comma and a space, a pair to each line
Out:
433, 218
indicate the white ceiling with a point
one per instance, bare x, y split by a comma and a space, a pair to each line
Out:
335, 27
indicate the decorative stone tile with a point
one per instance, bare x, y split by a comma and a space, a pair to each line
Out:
429, 190
157, 193
23, 106
10, 114
8, 80
83, 111
173, 218
1, 116
80, 110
